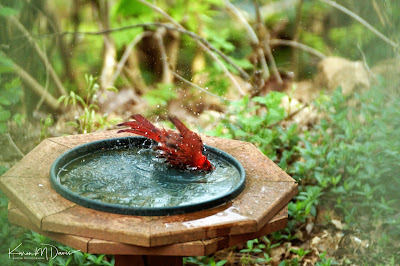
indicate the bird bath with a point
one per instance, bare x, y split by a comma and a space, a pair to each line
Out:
259, 209
122, 175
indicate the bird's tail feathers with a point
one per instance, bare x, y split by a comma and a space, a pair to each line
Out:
141, 127
179, 125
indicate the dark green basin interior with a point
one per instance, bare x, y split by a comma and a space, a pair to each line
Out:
124, 176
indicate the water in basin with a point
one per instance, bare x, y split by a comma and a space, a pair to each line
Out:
135, 177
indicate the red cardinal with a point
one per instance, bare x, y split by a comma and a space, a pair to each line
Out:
182, 150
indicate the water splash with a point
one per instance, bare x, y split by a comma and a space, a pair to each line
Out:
135, 177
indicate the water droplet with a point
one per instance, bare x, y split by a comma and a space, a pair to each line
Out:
132, 175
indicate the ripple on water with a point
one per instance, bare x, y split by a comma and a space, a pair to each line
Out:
135, 177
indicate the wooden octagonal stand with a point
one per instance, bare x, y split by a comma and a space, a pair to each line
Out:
148, 240
126, 254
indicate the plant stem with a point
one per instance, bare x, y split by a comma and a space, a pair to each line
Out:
41, 55
253, 37
298, 46
198, 87
20, 153
36, 87
196, 37
264, 37
297, 30
362, 21
126, 54
206, 48
167, 76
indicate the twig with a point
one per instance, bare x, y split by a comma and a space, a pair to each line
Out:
198, 87
274, 68
297, 30
101, 12
65, 51
364, 60
299, 46
205, 48
20, 153
42, 55
291, 115
35, 86
46, 87
126, 54
253, 37
167, 76
196, 37
362, 21
264, 36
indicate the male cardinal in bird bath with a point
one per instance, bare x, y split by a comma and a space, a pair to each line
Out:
182, 150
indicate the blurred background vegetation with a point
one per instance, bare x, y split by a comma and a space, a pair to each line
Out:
314, 84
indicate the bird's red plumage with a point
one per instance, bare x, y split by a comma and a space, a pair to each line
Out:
183, 149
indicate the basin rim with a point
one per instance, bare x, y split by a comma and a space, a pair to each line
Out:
86, 148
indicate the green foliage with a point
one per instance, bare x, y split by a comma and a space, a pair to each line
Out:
344, 37
10, 93
300, 252
257, 121
12, 236
88, 120
45, 124
253, 246
203, 261
324, 261
351, 156
158, 98
7, 11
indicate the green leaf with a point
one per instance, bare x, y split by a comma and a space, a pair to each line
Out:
4, 115
220, 263
18, 118
3, 128
4, 101
6, 65
113, 89
132, 8
7, 11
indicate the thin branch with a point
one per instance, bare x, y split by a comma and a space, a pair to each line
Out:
291, 115
224, 99
42, 55
46, 87
205, 48
65, 51
263, 63
364, 60
126, 54
201, 41
20, 153
297, 31
271, 58
101, 12
162, 12
362, 21
196, 37
167, 76
298, 46
253, 36
264, 36
49, 100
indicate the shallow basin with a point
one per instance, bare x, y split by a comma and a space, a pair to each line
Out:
123, 175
